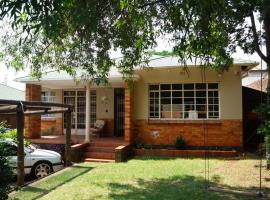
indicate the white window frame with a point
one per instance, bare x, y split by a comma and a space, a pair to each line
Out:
183, 105
49, 97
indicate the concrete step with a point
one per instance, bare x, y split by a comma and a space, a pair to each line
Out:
100, 149
99, 155
98, 160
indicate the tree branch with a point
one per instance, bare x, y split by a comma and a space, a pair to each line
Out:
256, 39
150, 3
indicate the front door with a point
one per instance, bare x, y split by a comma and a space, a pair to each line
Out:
119, 112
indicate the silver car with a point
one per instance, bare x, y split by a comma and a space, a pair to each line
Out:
37, 162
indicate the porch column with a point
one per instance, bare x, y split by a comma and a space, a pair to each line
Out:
32, 123
87, 112
128, 112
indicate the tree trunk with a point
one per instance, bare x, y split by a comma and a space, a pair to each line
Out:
68, 137
266, 23
266, 20
20, 154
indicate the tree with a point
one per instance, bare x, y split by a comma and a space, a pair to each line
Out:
72, 34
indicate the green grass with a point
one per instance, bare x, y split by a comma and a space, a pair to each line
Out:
148, 178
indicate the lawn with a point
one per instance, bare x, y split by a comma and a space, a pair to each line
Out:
149, 178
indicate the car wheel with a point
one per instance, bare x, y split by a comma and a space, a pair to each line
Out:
41, 169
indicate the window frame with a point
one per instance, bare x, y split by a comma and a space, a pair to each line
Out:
183, 103
49, 97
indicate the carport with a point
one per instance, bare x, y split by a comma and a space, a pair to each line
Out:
27, 108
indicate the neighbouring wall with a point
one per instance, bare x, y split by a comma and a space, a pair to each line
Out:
227, 131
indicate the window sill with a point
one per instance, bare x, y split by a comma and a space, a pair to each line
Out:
188, 121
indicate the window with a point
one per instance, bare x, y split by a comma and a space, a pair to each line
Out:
184, 101
48, 96
78, 100
93, 107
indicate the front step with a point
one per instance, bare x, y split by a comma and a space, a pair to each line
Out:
100, 149
98, 160
100, 155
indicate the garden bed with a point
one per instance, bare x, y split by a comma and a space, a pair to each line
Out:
185, 153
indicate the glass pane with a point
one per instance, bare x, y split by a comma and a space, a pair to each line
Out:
200, 86
188, 93
81, 93
202, 115
177, 115
165, 86
177, 94
200, 100
69, 93
177, 101
189, 100
200, 93
189, 107
189, 86
166, 101
212, 86
165, 94
201, 107
177, 86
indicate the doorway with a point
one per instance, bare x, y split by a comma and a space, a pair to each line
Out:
119, 112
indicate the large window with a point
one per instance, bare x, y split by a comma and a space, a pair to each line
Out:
184, 101
48, 96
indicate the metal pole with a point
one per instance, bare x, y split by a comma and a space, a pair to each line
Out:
20, 140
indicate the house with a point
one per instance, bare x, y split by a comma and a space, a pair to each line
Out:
10, 93
252, 79
164, 101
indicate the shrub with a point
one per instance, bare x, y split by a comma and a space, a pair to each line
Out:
6, 173
180, 142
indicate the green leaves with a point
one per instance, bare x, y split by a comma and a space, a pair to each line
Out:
77, 35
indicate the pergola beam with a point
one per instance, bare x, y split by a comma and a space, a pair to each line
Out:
33, 103
41, 112
8, 109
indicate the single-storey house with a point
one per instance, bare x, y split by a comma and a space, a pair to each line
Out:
165, 100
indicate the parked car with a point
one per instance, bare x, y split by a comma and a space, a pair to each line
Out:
37, 162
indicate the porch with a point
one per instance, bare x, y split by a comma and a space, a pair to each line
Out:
105, 149
111, 104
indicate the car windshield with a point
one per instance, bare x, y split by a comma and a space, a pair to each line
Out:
30, 148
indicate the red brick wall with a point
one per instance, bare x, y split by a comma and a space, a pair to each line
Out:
11, 120
33, 123
128, 113
221, 133
48, 124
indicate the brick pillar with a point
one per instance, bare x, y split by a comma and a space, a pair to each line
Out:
128, 113
33, 123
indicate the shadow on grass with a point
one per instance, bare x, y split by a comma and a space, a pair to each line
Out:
176, 187
39, 190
